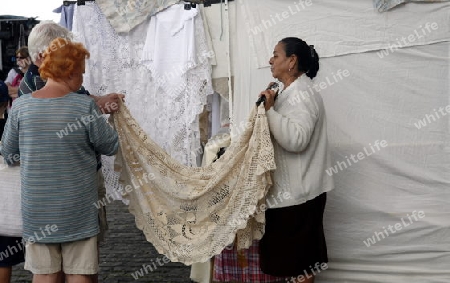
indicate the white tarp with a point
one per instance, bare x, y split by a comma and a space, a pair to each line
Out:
398, 195
338, 28
386, 5
11, 216
388, 111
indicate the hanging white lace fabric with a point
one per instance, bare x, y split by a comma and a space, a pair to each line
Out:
177, 55
115, 65
192, 213
125, 15
170, 47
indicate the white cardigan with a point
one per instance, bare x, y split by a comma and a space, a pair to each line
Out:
299, 135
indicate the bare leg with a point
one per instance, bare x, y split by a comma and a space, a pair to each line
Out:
94, 277
5, 274
78, 278
45, 278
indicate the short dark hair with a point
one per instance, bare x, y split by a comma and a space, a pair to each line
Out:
23, 51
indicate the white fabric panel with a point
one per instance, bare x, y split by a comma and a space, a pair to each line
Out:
410, 174
218, 27
382, 99
385, 5
338, 28
249, 81
373, 99
11, 216
201, 272
215, 114
166, 36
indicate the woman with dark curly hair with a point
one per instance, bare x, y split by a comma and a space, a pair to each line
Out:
57, 133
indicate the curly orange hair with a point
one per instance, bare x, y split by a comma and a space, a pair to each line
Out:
63, 58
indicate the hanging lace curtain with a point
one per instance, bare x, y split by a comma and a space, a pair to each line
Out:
169, 118
127, 14
191, 214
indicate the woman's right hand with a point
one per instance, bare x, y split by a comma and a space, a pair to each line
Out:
270, 94
270, 98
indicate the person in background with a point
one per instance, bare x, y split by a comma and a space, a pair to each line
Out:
15, 75
58, 172
4, 100
8, 245
294, 241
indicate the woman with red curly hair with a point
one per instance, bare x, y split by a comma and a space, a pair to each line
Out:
57, 133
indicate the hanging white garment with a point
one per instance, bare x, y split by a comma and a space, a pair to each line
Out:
126, 15
169, 50
11, 216
168, 41
201, 272
115, 65
191, 214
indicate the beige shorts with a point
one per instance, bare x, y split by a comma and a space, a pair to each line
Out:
79, 257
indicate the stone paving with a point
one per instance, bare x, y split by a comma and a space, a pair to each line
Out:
124, 252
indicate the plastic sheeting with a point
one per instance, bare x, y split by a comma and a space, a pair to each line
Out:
336, 28
381, 196
390, 113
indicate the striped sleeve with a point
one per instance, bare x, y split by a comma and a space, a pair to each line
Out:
101, 134
10, 140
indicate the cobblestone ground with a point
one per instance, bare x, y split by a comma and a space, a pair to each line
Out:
124, 252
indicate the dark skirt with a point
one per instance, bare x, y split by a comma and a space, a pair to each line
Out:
11, 251
294, 240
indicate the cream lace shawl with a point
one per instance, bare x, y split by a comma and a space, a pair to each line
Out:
191, 214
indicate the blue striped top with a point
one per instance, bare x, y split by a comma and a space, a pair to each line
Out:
57, 139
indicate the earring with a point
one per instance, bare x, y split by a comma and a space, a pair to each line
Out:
289, 69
